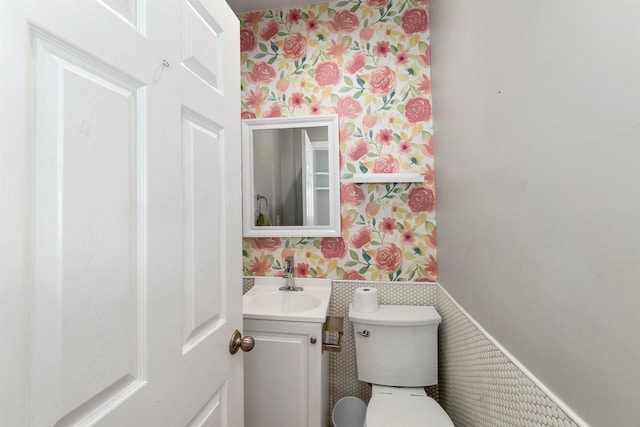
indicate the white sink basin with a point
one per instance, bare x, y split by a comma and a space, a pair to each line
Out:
266, 301
286, 302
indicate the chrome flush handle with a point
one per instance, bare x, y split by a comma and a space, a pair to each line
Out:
364, 333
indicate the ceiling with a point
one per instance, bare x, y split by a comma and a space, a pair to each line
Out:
240, 6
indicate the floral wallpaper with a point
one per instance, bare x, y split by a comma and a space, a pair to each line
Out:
369, 62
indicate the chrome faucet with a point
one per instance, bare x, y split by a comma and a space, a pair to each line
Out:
288, 275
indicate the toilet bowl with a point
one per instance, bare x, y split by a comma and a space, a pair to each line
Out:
406, 407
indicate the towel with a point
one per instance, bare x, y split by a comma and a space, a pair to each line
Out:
263, 220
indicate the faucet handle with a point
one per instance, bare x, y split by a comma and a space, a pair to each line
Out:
288, 264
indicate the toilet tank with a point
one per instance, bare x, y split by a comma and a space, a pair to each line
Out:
397, 345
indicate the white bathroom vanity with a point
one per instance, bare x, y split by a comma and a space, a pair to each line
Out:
286, 375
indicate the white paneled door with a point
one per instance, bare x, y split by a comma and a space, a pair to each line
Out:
120, 227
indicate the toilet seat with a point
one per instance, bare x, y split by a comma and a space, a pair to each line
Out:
406, 407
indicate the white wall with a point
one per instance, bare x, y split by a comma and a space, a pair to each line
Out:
537, 134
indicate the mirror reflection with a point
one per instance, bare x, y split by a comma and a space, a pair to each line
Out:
291, 177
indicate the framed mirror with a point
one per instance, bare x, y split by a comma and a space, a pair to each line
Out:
291, 177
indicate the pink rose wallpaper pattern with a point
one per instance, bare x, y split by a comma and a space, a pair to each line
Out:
367, 61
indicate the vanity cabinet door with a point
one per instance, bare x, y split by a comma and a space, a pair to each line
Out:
285, 375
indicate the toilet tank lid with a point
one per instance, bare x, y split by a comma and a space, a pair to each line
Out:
398, 315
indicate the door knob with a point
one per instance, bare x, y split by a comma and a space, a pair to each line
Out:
238, 342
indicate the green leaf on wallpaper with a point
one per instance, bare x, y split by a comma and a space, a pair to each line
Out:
414, 161
344, 89
244, 253
260, 55
354, 8
400, 226
271, 61
398, 20
274, 47
365, 23
394, 49
363, 168
422, 46
360, 81
263, 47
340, 272
391, 277
366, 256
281, 14
348, 80
350, 263
375, 243
417, 251
314, 272
404, 197
347, 176
316, 243
331, 13
334, 98
351, 168
373, 222
412, 275
371, 134
363, 269
354, 255
400, 108
283, 34
305, 15
371, 197
357, 94
250, 64
426, 135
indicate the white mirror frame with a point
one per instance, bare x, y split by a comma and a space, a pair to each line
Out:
249, 228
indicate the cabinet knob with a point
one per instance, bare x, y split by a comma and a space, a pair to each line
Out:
313, 340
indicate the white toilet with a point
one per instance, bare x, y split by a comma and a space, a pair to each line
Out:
397, 352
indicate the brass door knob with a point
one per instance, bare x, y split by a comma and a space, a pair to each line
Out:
240, 343
313, 340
